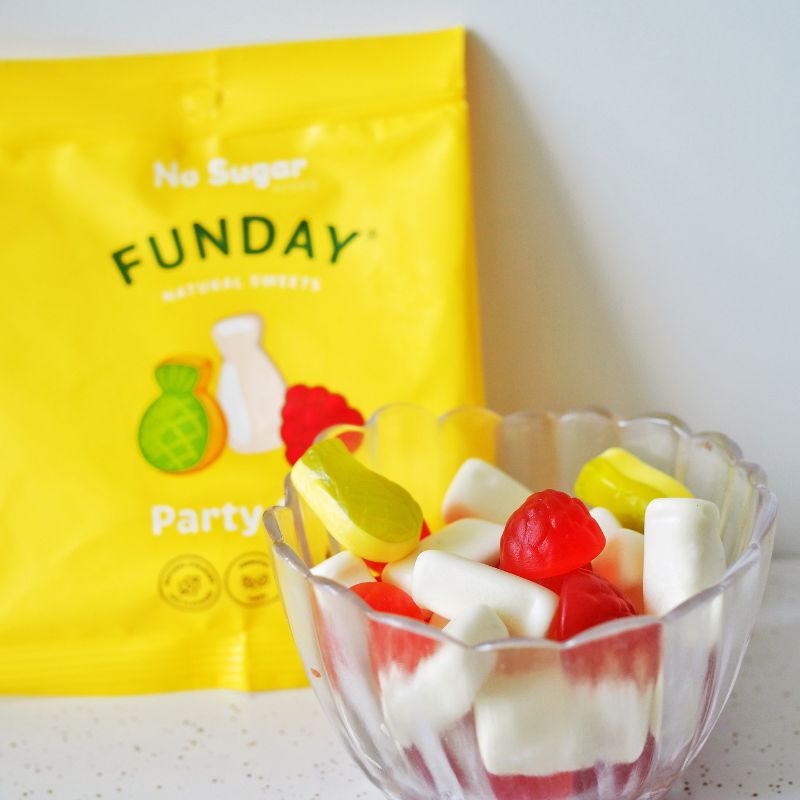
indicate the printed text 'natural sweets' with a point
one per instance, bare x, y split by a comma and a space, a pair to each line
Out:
207, 258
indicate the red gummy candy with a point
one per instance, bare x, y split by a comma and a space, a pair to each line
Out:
377, 566
389, 599
554, 583
587, 600
391, 646
551, 533
307, 411
557, 786
633, 654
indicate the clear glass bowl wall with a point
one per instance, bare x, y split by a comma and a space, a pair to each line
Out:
615, 713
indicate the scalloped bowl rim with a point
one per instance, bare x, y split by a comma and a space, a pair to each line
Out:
762, 523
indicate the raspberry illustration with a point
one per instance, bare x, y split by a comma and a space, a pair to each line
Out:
551, 533
309, 410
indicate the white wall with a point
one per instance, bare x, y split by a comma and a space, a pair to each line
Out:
637, 185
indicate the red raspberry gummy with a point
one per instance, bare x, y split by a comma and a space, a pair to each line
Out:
557, 786
390, 646
309, 410
388, 598
586, 600
551, 533
555, 582
397, 648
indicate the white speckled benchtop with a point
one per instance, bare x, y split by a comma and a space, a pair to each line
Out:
210, 745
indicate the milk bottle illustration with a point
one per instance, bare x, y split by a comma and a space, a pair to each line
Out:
250, 388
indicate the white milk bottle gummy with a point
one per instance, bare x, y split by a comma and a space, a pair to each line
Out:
250, 389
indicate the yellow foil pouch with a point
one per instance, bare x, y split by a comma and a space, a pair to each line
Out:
204, 256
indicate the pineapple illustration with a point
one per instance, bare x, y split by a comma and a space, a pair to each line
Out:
184, 429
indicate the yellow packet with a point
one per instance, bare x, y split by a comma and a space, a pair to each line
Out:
188, 240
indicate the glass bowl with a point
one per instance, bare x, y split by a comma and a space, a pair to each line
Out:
615, 713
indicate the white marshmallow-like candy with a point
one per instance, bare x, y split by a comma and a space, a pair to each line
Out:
605, 519
683, 551
475, 539
344, 568
525, 724
448, 585
622, 563
443, 687
476, 625
481, 490
540, 722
